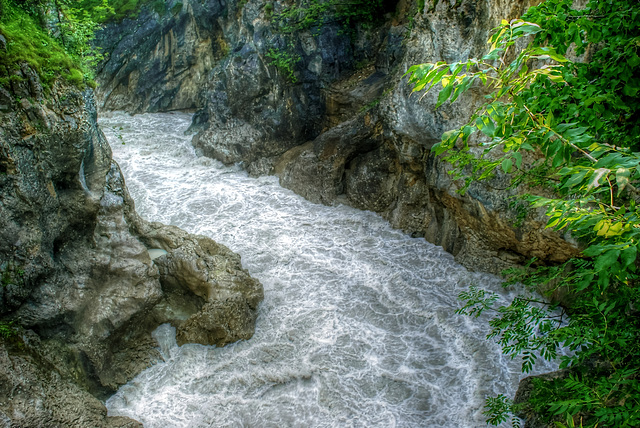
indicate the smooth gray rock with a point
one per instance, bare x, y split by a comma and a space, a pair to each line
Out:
213, 300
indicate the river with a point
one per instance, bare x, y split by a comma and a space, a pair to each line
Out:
357, 328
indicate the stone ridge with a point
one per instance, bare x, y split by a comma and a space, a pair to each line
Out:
80, 294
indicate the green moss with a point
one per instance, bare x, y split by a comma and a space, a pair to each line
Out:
7, 331
159, 7
176, 9
268, 9
28, 42
74, 76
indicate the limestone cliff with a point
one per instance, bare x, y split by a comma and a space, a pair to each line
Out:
80, 293
348, 131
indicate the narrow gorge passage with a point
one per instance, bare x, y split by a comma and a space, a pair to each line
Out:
357, 328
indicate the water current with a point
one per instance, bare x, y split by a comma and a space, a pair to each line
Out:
357, 328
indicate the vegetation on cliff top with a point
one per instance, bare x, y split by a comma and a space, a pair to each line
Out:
581, 121
52, 37
313, 15
117, 10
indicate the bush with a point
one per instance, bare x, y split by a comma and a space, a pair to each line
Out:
582, 121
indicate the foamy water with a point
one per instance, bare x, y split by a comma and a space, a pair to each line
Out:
357, 328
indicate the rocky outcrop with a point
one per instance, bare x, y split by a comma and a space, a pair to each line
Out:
249, 111
36, 393
160, 60
349, 131
77, 275
197, 273
380, 159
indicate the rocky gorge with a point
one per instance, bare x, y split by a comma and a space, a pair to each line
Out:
348, 129
78, 264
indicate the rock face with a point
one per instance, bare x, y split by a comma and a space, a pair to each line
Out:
158, 62
380, 159
77, 275
36, 393
225, 296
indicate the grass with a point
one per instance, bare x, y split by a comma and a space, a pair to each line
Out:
28, 42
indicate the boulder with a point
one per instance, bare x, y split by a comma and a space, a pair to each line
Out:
213, 300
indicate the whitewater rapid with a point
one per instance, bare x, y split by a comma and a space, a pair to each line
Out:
357, 328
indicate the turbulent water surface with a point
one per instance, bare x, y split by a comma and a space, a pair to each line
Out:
357, 328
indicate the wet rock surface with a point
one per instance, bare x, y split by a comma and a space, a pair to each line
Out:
378, 157
216, 297
34, 392
348, 131
77, 278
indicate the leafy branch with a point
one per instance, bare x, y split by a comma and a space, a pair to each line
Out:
579, 123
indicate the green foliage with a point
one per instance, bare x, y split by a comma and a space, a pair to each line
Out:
117, 10
28, 42
315, 13
125, 9
268, 9
497, 411
7, 330
61, 50
158, 6
285, 62
103, 11
581, 121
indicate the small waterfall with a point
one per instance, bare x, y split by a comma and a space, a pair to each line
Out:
357, 328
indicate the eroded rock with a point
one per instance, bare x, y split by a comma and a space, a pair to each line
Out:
76, 272
213, 299
34, 392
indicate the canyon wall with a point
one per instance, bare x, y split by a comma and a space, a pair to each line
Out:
80, 293
348, 130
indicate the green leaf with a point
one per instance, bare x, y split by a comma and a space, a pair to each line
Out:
506, 165
518, 157
444, 94
486, 125
605, 260
631, 89
629, 256
622, 178
575, 178
593, 250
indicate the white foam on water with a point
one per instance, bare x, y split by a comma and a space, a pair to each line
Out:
357, 328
